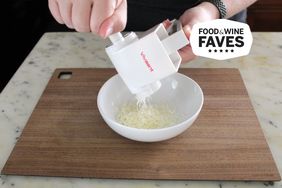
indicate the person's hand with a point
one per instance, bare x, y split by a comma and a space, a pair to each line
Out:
201, 13
102, 17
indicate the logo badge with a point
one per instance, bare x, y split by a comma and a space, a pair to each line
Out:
221, 39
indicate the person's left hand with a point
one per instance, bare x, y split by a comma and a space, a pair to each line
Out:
201, 13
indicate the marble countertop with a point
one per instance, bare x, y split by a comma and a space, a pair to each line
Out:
261, 71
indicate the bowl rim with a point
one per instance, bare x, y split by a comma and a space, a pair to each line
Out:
103, 114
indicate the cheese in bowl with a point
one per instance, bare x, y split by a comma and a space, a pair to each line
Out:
147, 116
172, 110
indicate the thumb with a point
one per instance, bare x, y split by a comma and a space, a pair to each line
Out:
186, 52
187, 30
116, 22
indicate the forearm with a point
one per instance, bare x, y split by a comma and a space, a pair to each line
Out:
233, 7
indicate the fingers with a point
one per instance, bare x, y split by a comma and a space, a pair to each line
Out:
116, 22
81, 11
186, 53
65, 7
187, 30
166, 23
103, 17
54, 9
102, 9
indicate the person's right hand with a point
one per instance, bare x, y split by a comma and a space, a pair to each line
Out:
102, 17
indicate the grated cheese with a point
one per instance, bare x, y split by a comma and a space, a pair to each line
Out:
146, 116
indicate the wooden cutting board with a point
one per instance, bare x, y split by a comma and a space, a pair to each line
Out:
66, 136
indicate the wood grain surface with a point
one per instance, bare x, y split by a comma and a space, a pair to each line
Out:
66, 136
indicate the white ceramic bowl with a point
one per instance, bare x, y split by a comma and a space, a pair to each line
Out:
178, 91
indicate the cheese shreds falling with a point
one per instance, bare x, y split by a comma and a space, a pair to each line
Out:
146, 116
